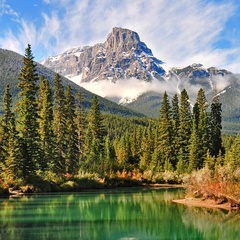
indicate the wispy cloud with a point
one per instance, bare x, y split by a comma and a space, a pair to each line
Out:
129, 89
6, 9
179, 33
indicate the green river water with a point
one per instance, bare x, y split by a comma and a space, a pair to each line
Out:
113, 214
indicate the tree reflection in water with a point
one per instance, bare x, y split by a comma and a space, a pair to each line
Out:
120, 214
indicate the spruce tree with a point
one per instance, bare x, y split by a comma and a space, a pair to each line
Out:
80, 123
147, 147
6, 120
71, 152
216, 127
96, 122
109, 157
194, 147
200, 129
185, 127
175, 126
165, 131
94, 141
45, 108
12, 164
59, 127
28, 115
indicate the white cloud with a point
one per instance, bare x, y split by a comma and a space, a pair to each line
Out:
129, 89
178, 32
6, 9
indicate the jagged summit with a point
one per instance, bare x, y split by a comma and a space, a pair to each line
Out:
124, 40
121, 56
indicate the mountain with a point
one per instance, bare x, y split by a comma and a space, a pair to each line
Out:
123, 69
10, 65
122, 55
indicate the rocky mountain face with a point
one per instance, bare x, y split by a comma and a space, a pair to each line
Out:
121, 56
195, 76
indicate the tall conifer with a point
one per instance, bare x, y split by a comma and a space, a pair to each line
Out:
28, 115
12, 166
59, 126
94, 141
165, 131
71, 152
185, 127
216, 127
80, 123
45, 108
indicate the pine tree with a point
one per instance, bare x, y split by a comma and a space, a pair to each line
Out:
59, 127
6, 120
71, 152
124, 151
165, 133
216, 127
175, 126
109, 156
185, 127
175, 114
146, 148
194, 147
94, 141
80, 123
96, 122
28, 115
209, 161
200, 130
12, 163
45, 108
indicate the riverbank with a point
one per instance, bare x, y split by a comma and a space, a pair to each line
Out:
206, 203
71, 187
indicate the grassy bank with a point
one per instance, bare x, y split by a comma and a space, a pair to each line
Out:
82, 181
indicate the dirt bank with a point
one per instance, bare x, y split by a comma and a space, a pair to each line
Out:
208, 203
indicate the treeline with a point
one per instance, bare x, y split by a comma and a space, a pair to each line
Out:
52, 136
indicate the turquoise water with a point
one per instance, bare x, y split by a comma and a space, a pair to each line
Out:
121, 214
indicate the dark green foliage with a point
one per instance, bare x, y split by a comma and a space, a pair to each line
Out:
45, 111
71, 151
94, 141
200, 143
216, 127
59, 127
185, 127
11, 157
81, 123
194, 148
109, 157
27, 115
175, 125
165, 134
147, 148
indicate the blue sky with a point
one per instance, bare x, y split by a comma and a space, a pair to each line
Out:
179, 32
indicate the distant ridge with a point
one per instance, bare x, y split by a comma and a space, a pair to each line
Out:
10, 65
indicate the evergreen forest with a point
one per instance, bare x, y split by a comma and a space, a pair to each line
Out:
50, 142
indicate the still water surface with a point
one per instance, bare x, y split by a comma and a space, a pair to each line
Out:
121, 214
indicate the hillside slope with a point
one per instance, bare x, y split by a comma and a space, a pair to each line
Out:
10, 65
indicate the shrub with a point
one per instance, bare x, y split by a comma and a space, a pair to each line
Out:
69, 186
